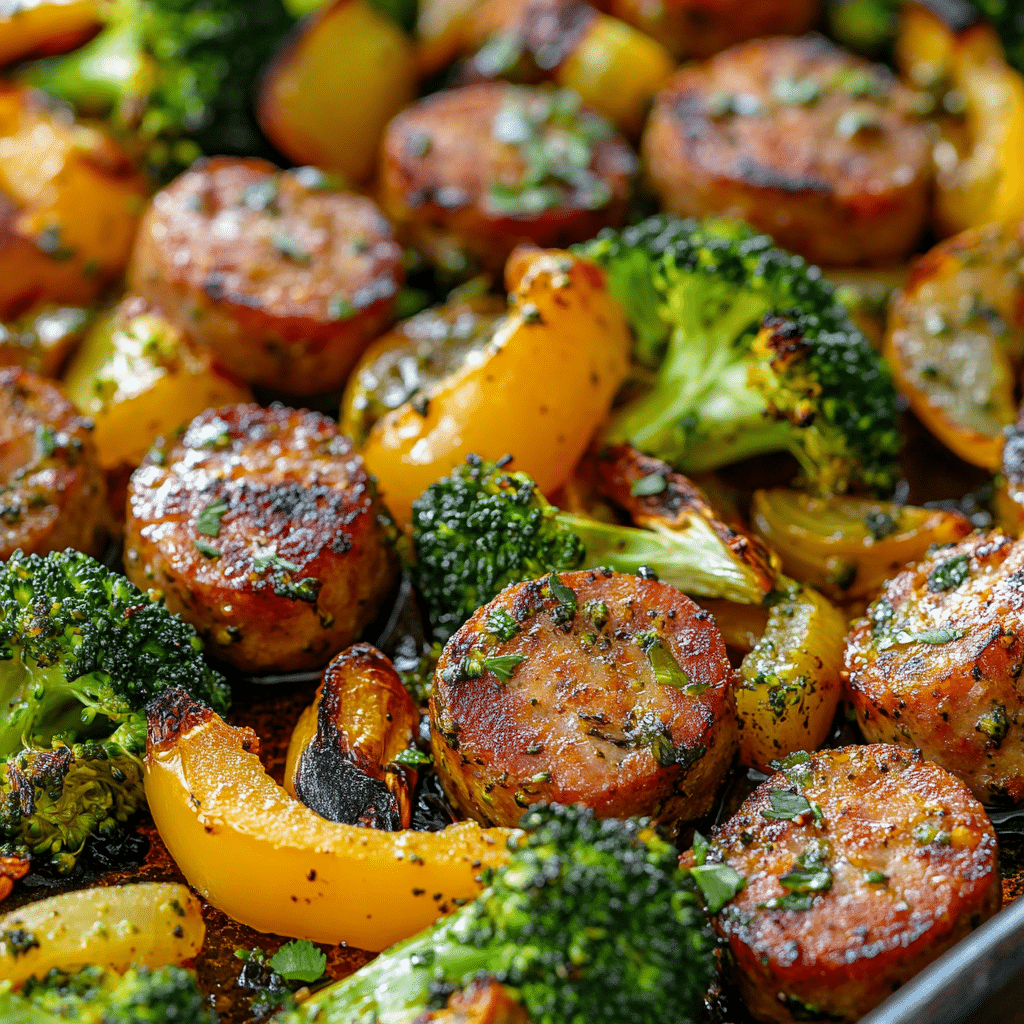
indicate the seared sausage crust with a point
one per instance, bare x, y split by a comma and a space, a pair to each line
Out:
937, 664
470, 173
594, 687
889, 863
806, 142
700, 28
51, 486
283, 278
262, 528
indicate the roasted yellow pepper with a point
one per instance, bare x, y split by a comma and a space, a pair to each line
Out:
138, 379
39, 28
848, 547
151, 923
790, 682
980, 175
270, 862
537, 389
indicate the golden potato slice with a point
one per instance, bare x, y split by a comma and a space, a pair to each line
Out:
41, 28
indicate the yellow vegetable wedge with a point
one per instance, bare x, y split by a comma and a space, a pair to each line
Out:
270, 862
151, 923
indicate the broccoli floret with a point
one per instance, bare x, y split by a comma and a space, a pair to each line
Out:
589, 921
483, 527
53, 801
82, 651
718, 396
176, 77
97, 996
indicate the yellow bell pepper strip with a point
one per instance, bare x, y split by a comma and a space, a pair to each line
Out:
790, 682
40, 28
537, 389
345, 756
138, 378
848, 547
150, 924
955, 339
273, 864
980, 176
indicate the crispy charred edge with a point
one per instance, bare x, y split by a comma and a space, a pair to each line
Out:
617, 468
339, 782
173, 715
26, 387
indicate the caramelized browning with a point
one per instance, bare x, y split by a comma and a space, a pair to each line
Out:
284, 278
862, 865
807, 143
593, 687
51, 486
262, 528
936, 664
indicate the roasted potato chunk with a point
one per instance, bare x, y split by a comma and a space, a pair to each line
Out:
955, 341
469, 174
262, 528
284, 279
861, 865
69, 204
51, 485
811, 145
591, 687
936, 663
139, 378
45, 27
334, 85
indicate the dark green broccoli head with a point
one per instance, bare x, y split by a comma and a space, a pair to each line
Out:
479, 530
176, 76
53, 801
716, 398
82, 651
589, 921
97, 996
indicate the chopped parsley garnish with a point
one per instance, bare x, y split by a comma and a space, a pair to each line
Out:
718, 883
208, 521
299, 960
649, 485
208, 550
948, 575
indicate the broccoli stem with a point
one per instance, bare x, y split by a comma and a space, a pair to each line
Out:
96, 77
693, 560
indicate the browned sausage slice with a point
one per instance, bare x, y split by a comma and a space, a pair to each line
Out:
282, 276
470, 173
937, 663
807, 143
263, 529
591, 687
51, 485
861, 866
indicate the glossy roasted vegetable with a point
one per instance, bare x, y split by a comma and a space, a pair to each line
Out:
349, 755
980, 177
235, 833
42, 338
848, 547
138, 378
43, 27
151, 924
334, 85
538, 387
790, 682
71, 204
955, 341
